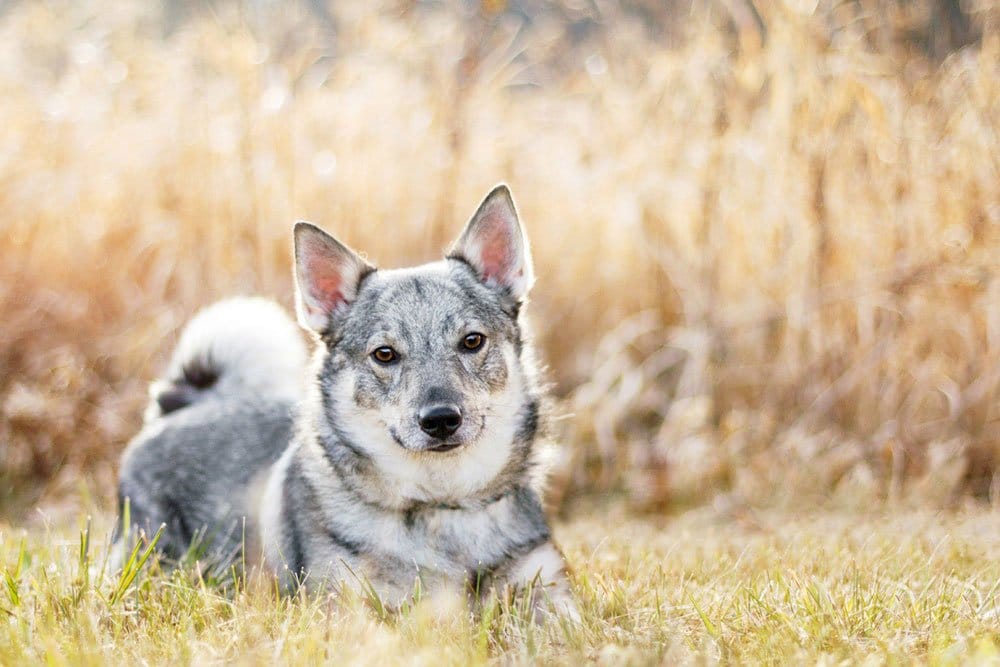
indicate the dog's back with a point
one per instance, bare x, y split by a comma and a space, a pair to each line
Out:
216, 421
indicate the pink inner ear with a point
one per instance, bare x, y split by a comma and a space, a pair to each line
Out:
324, 282
495, 252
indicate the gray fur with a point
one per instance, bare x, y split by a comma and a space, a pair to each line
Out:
365, 493
191, 472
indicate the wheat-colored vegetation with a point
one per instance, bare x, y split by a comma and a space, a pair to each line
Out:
767, 237
760, 238
702, 589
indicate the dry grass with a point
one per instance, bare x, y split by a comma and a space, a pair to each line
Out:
764, 263
823, 589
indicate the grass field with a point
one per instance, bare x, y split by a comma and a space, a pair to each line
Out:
753, 241
708, 586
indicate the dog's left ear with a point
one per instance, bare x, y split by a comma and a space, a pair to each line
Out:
494, 244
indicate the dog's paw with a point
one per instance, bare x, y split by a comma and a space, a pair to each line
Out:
555, 606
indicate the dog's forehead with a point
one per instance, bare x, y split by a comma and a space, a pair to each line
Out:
440, 295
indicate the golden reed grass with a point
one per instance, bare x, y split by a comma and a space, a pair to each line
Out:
768, 259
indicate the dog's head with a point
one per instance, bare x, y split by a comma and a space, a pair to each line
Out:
422, 386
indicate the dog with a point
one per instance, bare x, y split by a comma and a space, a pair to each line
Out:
408, 456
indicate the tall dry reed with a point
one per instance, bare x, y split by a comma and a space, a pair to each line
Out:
767, 242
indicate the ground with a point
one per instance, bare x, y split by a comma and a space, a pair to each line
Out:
709, 585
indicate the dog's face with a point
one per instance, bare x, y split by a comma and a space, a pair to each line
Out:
421, 380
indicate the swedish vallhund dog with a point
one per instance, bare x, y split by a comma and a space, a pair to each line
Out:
408, 449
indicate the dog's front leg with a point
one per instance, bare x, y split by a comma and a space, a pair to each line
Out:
542, 571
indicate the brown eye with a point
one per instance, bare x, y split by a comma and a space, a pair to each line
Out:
473, 341
385, 355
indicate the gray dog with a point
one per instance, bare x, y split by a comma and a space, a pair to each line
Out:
406, 453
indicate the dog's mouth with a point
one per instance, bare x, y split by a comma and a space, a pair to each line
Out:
444, 447
438, 446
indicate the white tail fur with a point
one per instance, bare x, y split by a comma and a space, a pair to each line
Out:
242, 346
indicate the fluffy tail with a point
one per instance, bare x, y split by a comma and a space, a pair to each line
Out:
239, 347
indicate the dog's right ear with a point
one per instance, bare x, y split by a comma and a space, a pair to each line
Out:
327, 275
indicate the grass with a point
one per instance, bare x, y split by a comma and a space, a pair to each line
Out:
755, 241
707, 586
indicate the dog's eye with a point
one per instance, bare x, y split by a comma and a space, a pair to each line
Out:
473, 341
385, 355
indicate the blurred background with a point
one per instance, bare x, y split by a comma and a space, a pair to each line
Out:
767, 234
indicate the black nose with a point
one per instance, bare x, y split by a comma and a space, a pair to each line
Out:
440, 420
